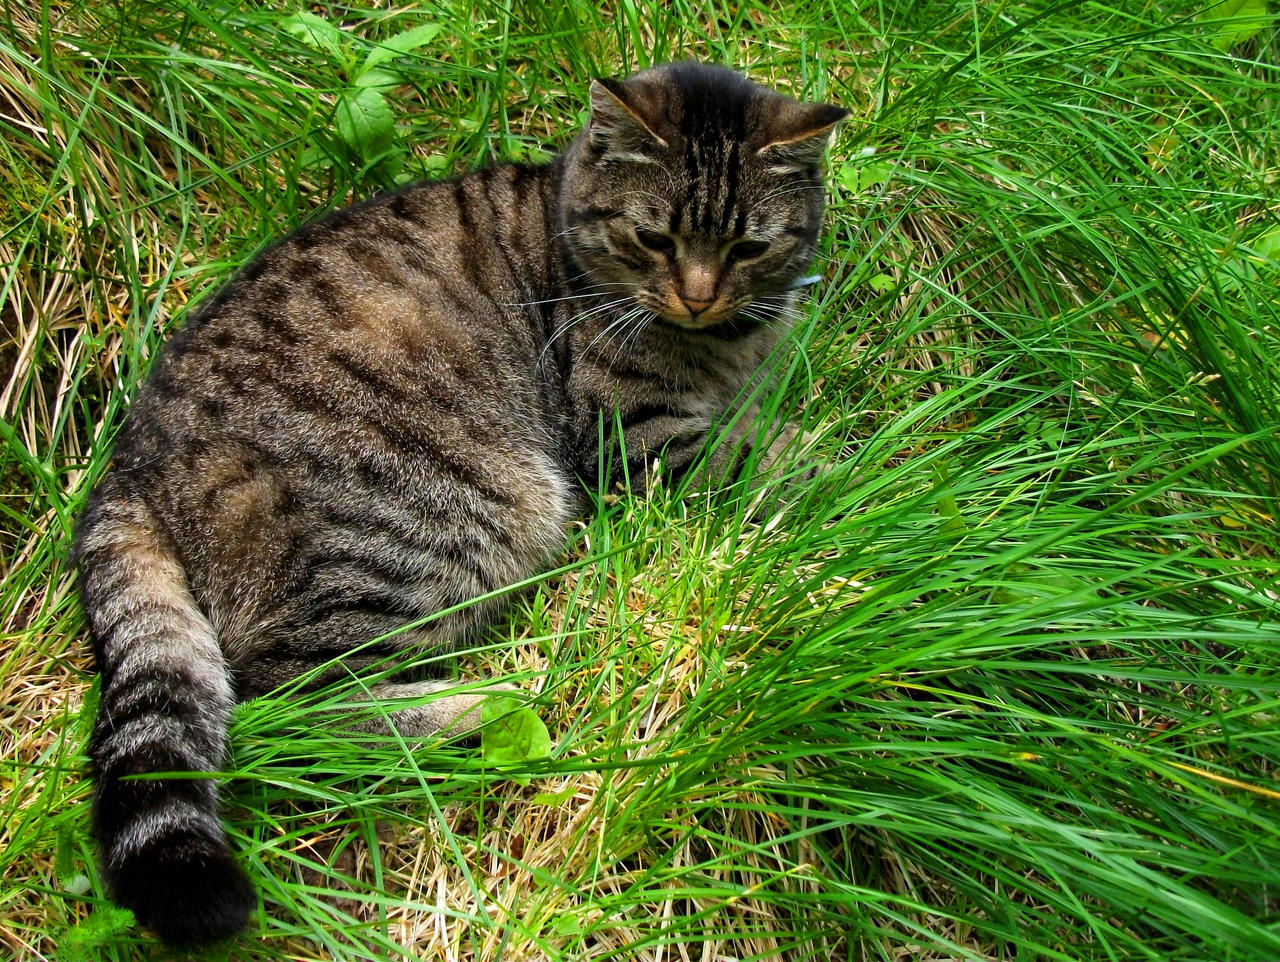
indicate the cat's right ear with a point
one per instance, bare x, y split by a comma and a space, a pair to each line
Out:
797, 135
622, 125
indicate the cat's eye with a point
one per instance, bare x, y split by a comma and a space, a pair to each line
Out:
660, 243
747, 250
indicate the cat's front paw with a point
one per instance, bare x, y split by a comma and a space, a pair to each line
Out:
785, 469
790, 455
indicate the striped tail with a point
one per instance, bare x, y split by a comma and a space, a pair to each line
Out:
166, 696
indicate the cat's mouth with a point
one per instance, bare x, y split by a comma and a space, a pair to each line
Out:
699, 316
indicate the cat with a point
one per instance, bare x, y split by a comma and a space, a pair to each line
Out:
393, 411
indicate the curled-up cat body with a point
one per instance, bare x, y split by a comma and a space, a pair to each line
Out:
391, 412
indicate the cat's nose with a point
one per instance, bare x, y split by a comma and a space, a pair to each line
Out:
695, 306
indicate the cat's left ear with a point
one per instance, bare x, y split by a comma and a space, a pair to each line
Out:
798, 134
624, 120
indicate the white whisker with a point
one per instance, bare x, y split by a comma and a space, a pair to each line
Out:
569, 323
603, 333
645, 318
605, 287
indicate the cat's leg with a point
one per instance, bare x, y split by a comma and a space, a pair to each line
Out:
784, 470
680, 440
791, 443
787, 450
451, 713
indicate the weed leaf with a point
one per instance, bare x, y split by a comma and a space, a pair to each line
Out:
315, 32
1235, 21
373, 74
365, 122
512, 733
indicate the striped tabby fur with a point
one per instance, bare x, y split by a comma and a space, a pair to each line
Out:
390, 412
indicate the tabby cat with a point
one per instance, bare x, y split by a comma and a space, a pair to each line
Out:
391, 412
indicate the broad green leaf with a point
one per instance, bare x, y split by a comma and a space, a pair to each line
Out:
1268, 246
390, 166
314, 155
370, 74
567, 925
365, 122
861, 176
512, 733
1234, 21
1052, 433
315, 32
1248, 264
435, 163
378, 77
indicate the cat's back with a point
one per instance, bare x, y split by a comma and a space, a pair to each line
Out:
373, 373
409, 304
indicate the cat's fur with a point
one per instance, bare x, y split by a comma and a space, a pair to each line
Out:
390, 412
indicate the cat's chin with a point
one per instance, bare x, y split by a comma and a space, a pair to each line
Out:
730, 322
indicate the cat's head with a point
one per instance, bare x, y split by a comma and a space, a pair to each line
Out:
695, 191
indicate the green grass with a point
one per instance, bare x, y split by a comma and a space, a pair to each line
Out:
1001, 685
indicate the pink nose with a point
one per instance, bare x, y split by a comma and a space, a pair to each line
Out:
695, 307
